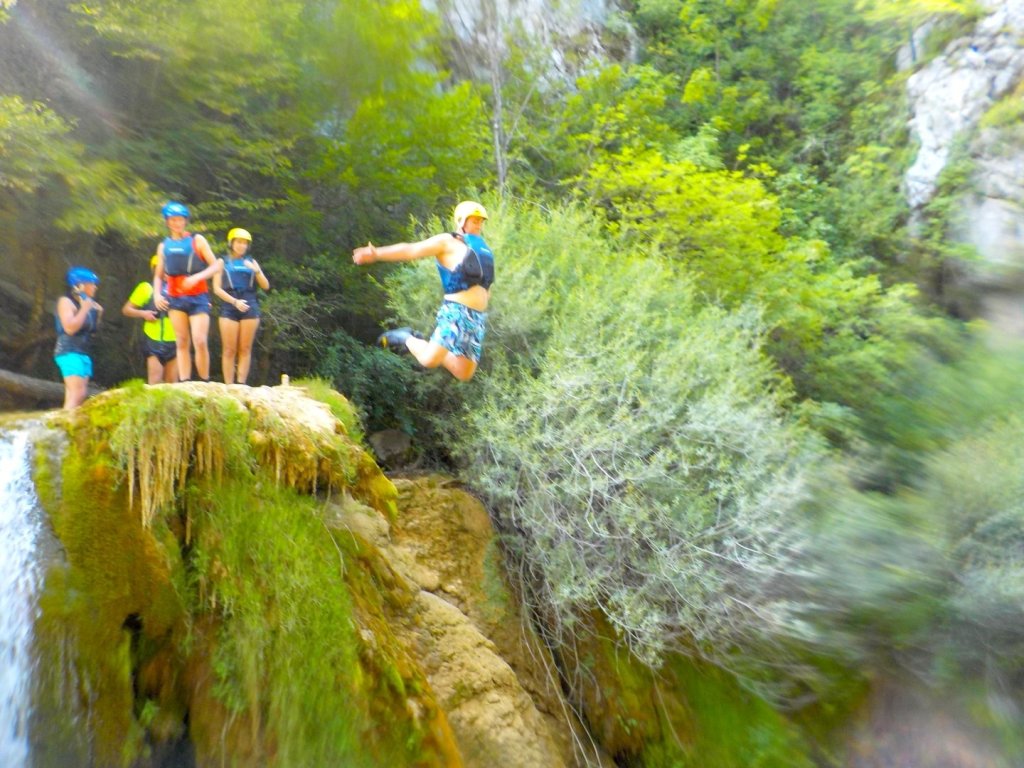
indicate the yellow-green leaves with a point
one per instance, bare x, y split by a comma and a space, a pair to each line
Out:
32, 144
914, 11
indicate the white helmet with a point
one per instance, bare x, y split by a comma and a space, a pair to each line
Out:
468, 208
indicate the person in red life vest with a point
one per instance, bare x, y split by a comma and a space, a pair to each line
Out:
236, 285
76, 316
465, 265
186, 262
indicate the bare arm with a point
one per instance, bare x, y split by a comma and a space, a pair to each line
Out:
130, 310
134, 310
261, 277
218, 287
432, 246
72, 318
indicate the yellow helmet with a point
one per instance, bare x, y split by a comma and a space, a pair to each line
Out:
468, 208
239, 234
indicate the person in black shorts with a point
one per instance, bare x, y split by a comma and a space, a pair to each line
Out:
158, 345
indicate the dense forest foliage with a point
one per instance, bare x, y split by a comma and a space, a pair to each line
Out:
722, 398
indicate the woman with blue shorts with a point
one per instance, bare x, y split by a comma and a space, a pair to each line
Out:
185, 262
76, 317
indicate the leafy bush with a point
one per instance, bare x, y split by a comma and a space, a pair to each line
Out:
976, 492
643, 457
631, 442
929, 571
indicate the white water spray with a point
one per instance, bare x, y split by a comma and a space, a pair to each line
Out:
20, 578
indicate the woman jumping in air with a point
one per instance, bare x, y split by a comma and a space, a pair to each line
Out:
466, 267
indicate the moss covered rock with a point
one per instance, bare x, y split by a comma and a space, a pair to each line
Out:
242, 586
209, 599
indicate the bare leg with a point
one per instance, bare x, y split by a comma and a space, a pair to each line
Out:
200, 325
462, 368
229, 332
246, 337
182, 343
430, 354
154, 370
170, 371
75, 390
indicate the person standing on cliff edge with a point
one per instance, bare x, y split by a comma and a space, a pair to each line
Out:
76, 317
186, 262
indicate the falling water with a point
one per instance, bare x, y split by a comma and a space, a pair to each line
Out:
20, 527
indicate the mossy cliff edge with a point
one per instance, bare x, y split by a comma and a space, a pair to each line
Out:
213, 603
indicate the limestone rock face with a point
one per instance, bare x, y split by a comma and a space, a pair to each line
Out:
952, 93
992, 221
491, 675
948, 98
566, 30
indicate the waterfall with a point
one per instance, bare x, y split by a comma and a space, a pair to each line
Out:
21, 523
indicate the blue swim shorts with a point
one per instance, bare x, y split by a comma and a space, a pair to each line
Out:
191, 305
460, 330
74, 364
228, 311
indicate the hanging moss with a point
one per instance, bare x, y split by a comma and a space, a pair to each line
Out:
209, 597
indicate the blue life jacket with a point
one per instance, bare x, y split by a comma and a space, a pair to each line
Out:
80, 340
180, 256
476, 267
240, 278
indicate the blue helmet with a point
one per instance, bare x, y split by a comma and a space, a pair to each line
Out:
79, 275
174, 209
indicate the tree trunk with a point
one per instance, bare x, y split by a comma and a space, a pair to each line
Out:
494, 62
19, 392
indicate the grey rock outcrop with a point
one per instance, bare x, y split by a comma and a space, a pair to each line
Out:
566, 31
491, 674
951, 93
949, 97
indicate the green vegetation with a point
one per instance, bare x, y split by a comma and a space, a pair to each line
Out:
228, 588
727, 393
685, 714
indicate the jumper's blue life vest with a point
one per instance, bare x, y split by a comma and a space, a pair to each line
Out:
476, 267
80, 340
